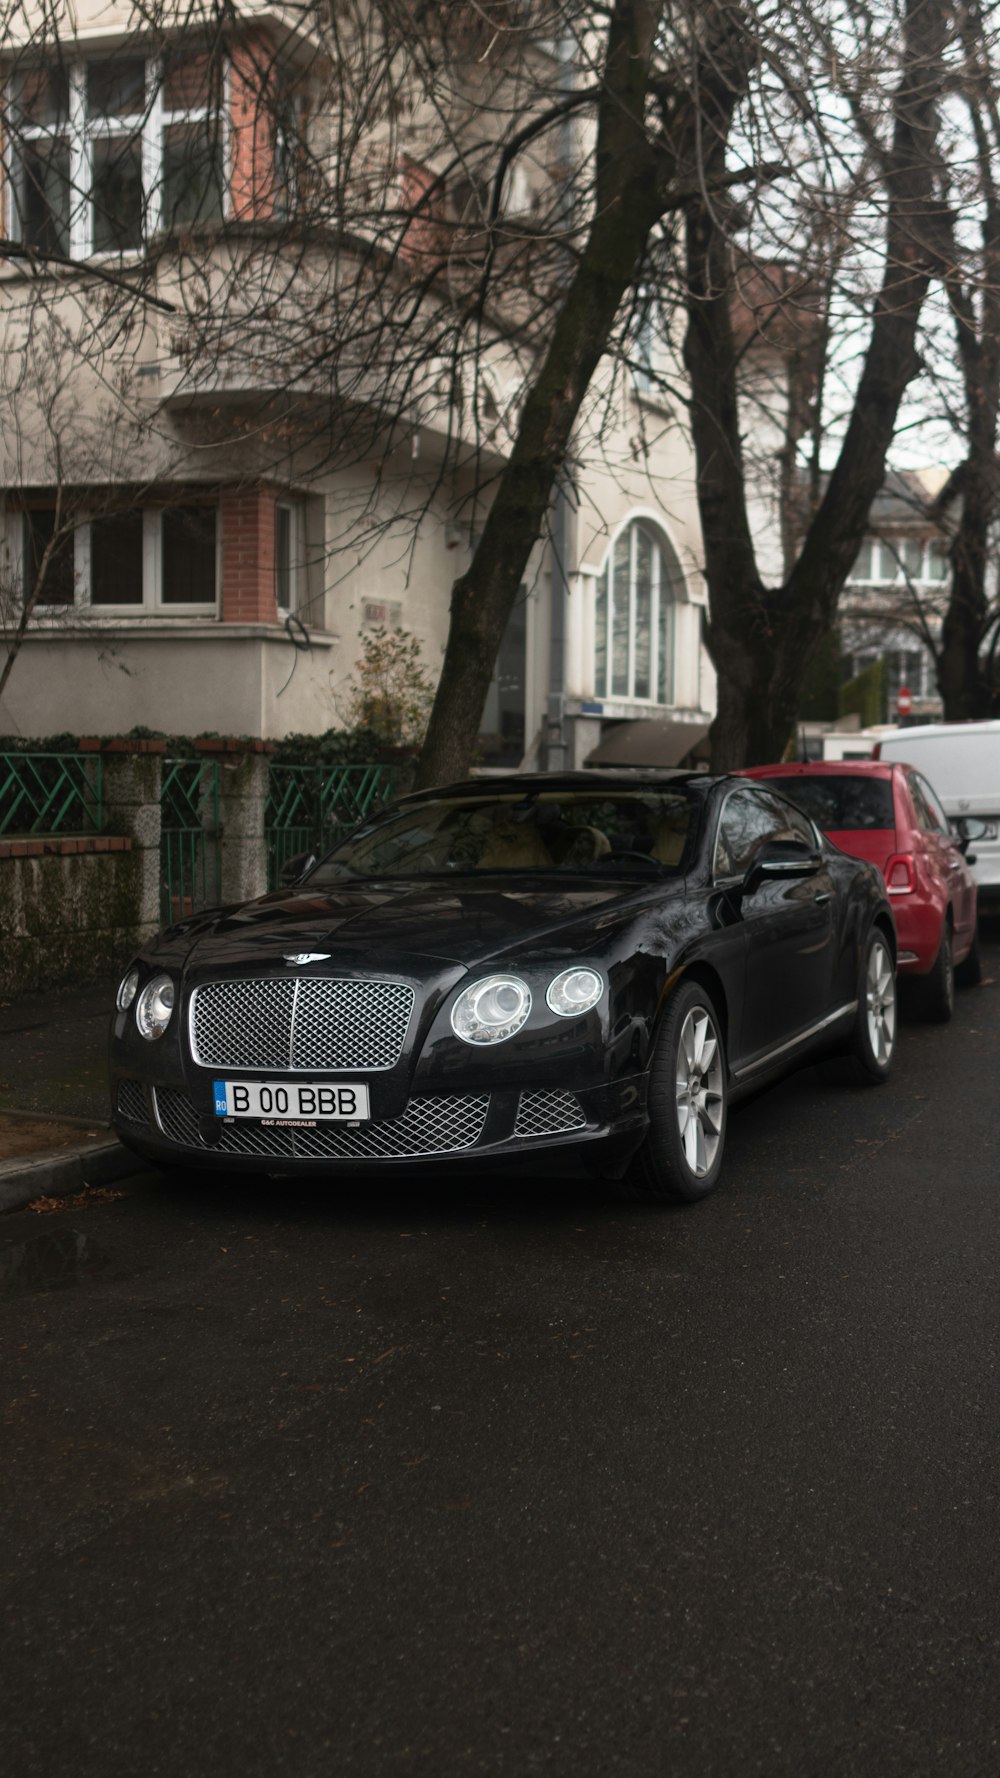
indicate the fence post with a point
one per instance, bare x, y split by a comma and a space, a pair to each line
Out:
132, 807
242, 801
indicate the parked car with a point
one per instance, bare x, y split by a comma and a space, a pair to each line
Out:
962, 761
578, 970
890, 815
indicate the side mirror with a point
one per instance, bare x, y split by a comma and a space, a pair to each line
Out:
782, 858
965, 829
295, 868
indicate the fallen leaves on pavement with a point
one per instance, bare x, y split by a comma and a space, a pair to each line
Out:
91, 1194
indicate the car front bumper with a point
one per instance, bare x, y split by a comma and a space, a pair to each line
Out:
591, 1131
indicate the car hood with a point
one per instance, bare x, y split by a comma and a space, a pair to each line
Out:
400, 923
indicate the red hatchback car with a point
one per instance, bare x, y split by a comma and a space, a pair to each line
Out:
888, 814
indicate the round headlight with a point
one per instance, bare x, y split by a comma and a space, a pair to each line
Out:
576, 990
154, 1007
127, 992
491, 1010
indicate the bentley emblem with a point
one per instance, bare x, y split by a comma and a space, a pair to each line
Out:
308, 957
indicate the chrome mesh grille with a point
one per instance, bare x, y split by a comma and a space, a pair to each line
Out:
314, 1023
132, 1102
427, 1126
546, 1114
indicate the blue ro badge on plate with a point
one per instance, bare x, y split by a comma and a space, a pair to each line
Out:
221, 1100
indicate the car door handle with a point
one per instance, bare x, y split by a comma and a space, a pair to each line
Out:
823, 895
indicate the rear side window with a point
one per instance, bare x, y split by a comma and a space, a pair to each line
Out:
838, 804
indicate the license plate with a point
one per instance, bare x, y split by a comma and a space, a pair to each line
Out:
291, 1102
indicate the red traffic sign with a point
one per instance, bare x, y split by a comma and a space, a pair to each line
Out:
904, 701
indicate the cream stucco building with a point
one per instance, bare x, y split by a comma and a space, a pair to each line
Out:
210, 499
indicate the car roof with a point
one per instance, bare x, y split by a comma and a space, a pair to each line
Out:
821, 768
595, 781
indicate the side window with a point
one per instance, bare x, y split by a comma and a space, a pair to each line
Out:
797, 823
938, 820
748, 819
926, 819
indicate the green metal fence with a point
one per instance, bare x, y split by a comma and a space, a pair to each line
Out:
50, 793
190, 837
309, 806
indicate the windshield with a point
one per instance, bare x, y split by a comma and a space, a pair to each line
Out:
631, 831
838, 804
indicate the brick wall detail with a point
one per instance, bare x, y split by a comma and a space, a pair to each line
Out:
252, 129
248, 557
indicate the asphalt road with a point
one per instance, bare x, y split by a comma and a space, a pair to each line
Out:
512, 1479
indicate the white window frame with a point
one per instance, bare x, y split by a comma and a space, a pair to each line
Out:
888, 570
151, 604
297, 553
662, 604
81, 132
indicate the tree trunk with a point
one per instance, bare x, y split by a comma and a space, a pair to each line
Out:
960, 682
762, 639
632, 175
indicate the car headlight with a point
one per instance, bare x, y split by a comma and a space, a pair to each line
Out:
154, 1007
491, 1010
127, 991
575, 991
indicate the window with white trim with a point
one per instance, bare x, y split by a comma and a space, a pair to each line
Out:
890, 561
137, 559
289, 554
634, 618
105, 152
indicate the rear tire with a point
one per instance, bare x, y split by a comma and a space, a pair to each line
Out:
681, 1158
937, 995
969, 973
873, 1045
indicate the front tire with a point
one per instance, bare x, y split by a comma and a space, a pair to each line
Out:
873, 1045
681, 1158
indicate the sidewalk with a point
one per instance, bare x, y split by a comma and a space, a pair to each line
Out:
55, 1136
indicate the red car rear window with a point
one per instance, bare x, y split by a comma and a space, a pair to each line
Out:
837, 804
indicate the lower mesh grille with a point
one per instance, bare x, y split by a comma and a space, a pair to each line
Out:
132, 1102
427, 1126
546, 1114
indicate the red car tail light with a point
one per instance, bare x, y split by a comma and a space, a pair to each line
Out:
900, 876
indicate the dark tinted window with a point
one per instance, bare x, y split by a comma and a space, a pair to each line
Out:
841, 803
116, 559
749, 819
571, 831
188, 555
57, 586
930, 814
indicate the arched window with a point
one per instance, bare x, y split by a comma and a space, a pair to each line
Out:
634, 640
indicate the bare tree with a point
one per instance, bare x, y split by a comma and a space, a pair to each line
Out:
66, 464
431, 234
970, 273
762, 637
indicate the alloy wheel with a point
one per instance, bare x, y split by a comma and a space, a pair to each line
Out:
880, 1003
699, 1091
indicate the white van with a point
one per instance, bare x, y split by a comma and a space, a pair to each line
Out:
962, 762
856, 743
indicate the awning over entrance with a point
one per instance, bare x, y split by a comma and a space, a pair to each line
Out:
650, 742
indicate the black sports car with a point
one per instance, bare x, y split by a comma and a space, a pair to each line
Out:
582, 969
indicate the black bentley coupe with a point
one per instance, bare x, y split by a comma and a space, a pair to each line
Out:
580, 970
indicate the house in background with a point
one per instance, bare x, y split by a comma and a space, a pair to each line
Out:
213, 524
896, 594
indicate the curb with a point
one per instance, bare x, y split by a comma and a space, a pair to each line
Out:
58, 1174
